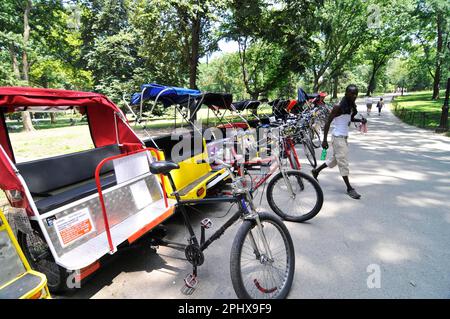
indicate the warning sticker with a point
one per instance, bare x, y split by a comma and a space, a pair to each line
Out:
74, 226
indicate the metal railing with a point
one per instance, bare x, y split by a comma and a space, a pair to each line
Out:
427, 120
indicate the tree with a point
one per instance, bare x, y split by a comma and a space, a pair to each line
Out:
271, 43
390, 36
181, 33
24, 22
26, 117
342, 29
433, 32
223, 74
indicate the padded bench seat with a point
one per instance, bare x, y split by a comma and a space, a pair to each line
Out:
57, 181
47, 204
195, 172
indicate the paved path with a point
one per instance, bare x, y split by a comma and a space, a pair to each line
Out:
400, 226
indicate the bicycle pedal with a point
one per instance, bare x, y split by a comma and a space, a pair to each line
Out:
190, 283
206, 223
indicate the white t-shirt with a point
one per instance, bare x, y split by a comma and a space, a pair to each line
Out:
341, 124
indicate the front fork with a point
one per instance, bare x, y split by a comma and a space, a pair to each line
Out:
285, 178
254, 215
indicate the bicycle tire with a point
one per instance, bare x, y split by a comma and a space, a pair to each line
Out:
240, 286
310, 154
287, 213
316, 138
57, 276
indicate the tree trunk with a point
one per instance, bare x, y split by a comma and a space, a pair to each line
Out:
26, 37
193, 59
371, 85
14, 61
26, 118
335, 87
443, 124
437, 73
193, 63
52, 118
316, 85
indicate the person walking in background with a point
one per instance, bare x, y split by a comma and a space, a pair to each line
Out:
368, 105
380, 105
341, 115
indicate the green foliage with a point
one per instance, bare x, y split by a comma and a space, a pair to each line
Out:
113, 46
223, 75
419, 109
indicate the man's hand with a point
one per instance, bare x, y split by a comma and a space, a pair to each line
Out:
325, 144
363, 120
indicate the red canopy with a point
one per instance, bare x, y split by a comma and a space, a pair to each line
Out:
108, 125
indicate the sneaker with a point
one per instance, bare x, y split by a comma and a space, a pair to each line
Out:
353, 194
314, 174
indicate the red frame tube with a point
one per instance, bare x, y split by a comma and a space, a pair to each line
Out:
100, 193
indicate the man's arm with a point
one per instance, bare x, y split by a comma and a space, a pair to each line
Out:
352, 119
336, 111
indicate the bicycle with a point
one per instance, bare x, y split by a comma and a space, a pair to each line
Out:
262, 260
291, 194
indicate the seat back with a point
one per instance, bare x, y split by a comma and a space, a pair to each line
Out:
166, 144
45, 175
190, 170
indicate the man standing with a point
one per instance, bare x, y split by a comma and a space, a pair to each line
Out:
341, 115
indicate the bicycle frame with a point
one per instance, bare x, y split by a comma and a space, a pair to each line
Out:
243, 211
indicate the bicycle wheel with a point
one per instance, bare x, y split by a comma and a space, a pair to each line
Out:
302, 204
40, 258
310, 154
255, 272
316, 141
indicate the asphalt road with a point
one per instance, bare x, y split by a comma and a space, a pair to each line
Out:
396, 237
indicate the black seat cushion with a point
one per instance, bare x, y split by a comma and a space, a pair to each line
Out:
163, 167
45, 175
78, 192
167, 143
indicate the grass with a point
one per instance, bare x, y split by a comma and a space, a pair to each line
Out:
418, 109
29, 146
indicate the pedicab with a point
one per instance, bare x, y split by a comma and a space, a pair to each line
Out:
17, 279
257, 155
238, 108
311, 100
186, 147
75, 210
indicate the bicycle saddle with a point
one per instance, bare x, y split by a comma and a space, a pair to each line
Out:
163, 167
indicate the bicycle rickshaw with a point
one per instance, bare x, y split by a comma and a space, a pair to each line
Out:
73, 210
184, 147
285, 189
253, 246
17, 279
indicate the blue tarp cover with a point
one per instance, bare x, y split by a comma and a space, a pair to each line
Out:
171, 95
302, 96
